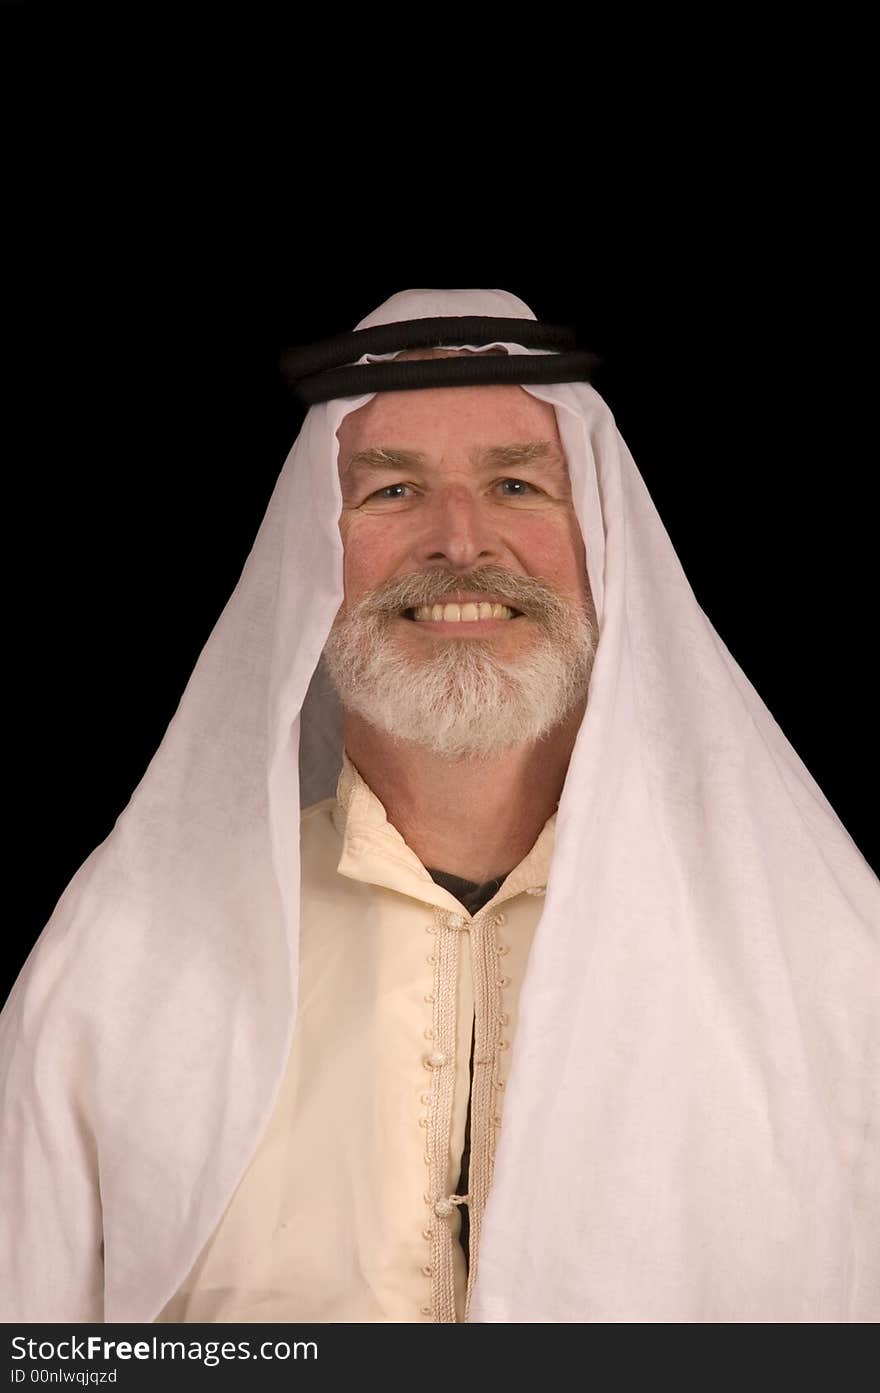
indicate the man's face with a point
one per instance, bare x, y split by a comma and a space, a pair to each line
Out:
457, 508
459, 497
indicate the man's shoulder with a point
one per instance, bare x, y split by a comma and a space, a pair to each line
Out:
319, 835
321, 811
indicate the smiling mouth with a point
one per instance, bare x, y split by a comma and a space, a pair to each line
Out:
468, 613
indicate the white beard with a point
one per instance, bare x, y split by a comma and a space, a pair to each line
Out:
463, 699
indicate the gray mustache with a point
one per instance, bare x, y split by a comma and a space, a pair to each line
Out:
526, 593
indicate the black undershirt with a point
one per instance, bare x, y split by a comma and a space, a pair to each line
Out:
473, 897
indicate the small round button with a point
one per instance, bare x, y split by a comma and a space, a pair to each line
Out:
436, 1060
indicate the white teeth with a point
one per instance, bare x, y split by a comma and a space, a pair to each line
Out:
466, 612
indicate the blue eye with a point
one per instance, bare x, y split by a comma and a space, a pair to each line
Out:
520, 484
385, 493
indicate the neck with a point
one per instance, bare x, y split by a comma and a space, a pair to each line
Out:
474, 818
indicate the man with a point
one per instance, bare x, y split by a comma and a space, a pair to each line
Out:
681, 1129
463, 678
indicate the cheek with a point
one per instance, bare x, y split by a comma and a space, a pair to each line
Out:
555, 549
368, 559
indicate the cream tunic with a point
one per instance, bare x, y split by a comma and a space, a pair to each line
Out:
347, 1211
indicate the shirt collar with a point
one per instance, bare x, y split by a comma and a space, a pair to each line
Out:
374, 851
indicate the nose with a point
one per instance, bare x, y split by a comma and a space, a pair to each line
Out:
458, 530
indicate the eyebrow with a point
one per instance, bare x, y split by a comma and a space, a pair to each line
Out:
531, 454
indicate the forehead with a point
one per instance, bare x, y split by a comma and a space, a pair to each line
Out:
441, 420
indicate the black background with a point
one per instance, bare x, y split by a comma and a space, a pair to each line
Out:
730, 333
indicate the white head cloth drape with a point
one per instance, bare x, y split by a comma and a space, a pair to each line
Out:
690, 1125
